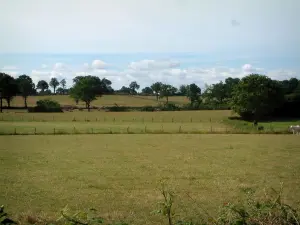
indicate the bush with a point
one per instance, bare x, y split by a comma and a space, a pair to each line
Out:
46, 105
148, 108
117, 108
169, 107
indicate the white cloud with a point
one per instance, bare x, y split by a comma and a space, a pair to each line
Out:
14, 74
98, 64
44, 66
153, 64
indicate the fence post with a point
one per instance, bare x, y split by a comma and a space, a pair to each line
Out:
211, 128
162, 128
209, 119
110, 130
35, 130
128, 130
74, 130
92, 130
179, 129
145, 129
172, 119
54, 131
191, 119
152, 119
114, 119
15, 131
96, 119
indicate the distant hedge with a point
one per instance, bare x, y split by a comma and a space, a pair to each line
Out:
46, 105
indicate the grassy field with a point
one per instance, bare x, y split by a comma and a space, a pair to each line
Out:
119, 174
105, 100
116, 122
131, 122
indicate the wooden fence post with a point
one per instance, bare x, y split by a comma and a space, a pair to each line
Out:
152, 119
54, 131
172, 119
128, 130
179, 129
211, 128
15, 132
145, 129
35, 130
191, 119
162, 128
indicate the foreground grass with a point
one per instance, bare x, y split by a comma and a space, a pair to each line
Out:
105, 100
119, 174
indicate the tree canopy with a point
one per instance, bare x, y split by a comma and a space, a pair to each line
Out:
26, 87
256, 96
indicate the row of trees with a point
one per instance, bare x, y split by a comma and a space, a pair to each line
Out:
253, 96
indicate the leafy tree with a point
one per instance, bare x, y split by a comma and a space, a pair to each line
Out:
124, 90
8, 87
63, 83
106, 86
60, 91
215, 93
183, 90
230, 83
133, 87
42, 85
147, 91
167, 90
87, 89
54, 83
156, 87
256, 96
193, 92
26, 87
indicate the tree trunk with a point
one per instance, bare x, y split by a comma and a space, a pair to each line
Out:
25, 101
167, 99
8, 102
88, 106
1, 104
54, 90
156, 96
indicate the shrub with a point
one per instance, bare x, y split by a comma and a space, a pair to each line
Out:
148, 108
168, 107
46, 105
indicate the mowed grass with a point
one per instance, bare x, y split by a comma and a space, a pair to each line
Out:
115, 122
120, 174
105, 100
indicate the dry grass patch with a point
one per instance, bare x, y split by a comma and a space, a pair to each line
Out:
119, 174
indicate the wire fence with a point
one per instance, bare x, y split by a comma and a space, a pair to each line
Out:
134, 130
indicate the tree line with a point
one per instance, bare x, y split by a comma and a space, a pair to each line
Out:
255, 96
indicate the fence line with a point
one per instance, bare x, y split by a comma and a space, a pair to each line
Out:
144, 130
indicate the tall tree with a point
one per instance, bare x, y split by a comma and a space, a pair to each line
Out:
42, 85
167, 90
183, 90
193, 92
256, 96
147, 91
63, 84
54, 83
134, 87
9, 87
26, 87
87, 89
156, 87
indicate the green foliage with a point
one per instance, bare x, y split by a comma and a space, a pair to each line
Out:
133, 87
8, 87
193, 92
46, 105
54, 83
156, 87
87, 89
4, 219
256, 96
168, 107
26, 87
147, 91
167, 90
42, 85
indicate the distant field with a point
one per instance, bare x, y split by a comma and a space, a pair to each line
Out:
119, 174
105, 100
116, 122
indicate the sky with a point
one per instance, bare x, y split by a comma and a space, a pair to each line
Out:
173, 41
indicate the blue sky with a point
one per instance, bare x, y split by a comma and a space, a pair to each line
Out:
174, 41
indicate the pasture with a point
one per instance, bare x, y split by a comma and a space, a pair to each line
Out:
119, 174
105, 100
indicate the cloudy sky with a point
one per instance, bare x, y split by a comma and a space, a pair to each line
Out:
174, 41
